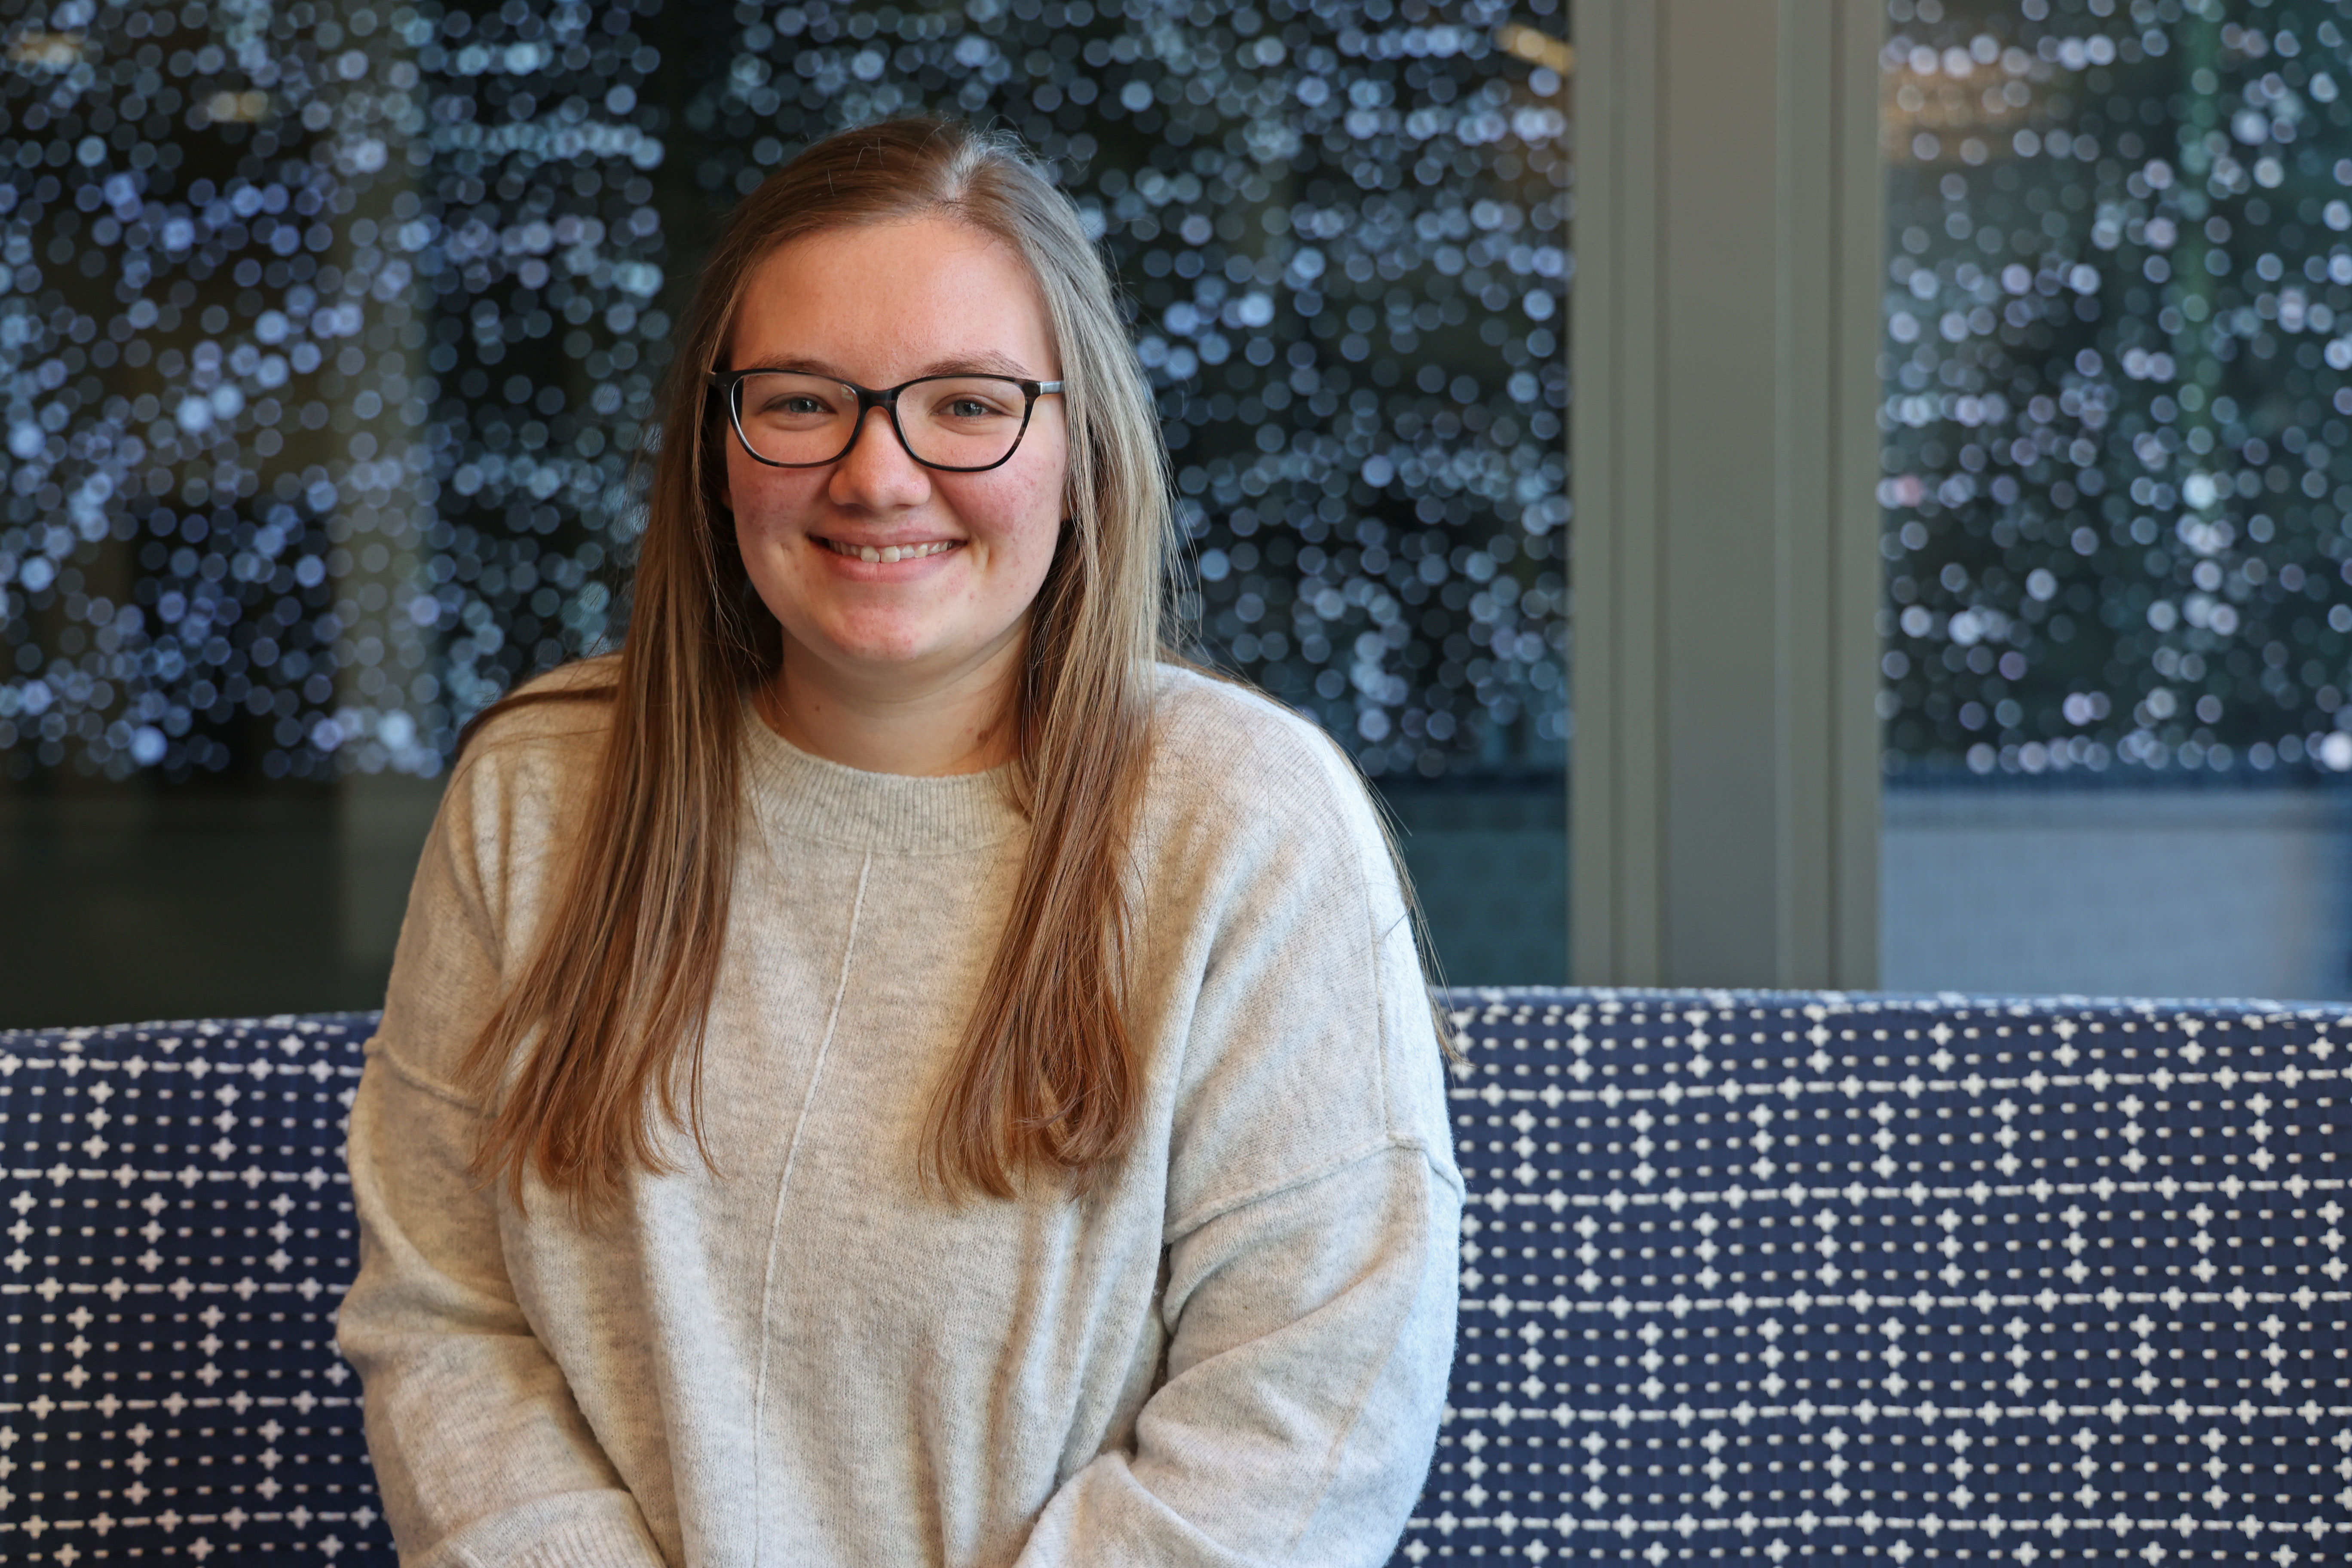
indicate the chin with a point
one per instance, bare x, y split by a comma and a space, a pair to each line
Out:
890, 648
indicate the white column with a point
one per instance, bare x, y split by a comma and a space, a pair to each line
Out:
1724, 792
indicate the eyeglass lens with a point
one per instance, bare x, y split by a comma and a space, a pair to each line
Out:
955, 422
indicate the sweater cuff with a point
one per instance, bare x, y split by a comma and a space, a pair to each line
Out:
568, 1529
590, 1543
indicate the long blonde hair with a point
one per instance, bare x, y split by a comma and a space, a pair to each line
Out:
605, 1021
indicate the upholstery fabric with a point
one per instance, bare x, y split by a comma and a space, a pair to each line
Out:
177, 1231
1754, 1276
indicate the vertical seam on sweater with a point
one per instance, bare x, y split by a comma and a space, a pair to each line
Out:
783, 1186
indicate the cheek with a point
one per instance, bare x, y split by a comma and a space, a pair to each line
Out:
1040, 502
1019, 512
1030, 525
762, 498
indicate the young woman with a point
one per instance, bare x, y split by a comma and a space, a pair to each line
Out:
887, 1070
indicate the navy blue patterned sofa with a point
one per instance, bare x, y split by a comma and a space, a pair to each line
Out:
1746, 1275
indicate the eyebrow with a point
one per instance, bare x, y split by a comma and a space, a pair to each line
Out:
987, 363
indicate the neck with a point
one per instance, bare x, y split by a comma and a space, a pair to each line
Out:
962, 723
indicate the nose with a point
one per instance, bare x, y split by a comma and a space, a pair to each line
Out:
876, 474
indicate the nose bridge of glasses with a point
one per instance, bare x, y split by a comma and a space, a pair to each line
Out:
886, 404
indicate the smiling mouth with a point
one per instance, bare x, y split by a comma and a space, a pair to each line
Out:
889, 552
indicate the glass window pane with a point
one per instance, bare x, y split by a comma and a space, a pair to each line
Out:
2115, 486
326, 385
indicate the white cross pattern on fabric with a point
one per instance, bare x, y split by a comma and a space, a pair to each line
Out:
1745, 1277
1761, 1275
175, 1233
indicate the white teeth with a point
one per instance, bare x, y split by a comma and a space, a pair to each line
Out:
890, 553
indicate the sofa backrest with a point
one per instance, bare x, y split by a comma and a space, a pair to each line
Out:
177, 1231
1743, 1274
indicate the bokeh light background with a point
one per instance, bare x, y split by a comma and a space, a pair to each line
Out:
331, 335
2118, 404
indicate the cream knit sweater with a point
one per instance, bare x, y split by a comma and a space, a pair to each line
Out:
1235, 1352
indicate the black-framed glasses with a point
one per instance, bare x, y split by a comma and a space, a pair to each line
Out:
959, 424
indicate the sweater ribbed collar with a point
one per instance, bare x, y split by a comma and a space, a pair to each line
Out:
802, 796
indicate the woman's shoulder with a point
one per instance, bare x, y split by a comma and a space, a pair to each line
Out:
1222, 728
556, 713
1227, 755
542, 739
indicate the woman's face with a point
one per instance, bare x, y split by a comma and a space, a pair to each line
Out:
876, 306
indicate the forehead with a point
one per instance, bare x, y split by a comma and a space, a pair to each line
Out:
881, 303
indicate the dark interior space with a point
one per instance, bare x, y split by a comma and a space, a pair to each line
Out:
127, 901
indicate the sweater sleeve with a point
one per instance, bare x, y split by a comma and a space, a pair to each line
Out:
1315, 1217
481, 1454
1313, 1331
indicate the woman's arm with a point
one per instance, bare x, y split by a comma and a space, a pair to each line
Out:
480, 1452
1313, 1329
1314, 1203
